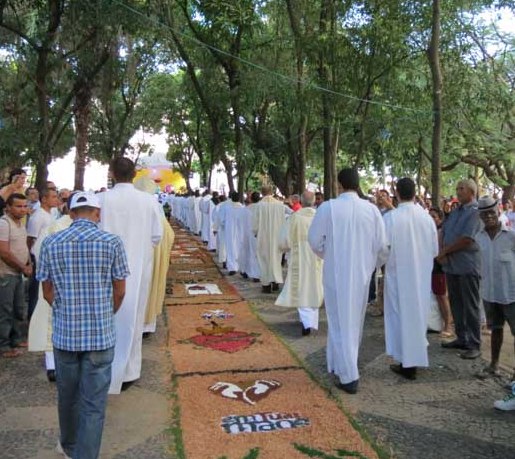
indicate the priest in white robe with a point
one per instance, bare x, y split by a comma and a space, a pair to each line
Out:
219, 231
303, 286
231, 221
136, 218
268, 219
248, 256
205, 220
211, 205
198, 214
40, 325
348, 233
413, 244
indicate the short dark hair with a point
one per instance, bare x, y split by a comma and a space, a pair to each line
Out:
405, 188
12, 197
255, 197
123, 169
16, 171
349, 178
235, 196
45, 192
438, 212
29, 189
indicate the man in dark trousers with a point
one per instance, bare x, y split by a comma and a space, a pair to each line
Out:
461, 262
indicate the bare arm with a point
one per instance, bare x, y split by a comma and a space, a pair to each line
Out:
8, 257
118, 293
48, 291
30, 241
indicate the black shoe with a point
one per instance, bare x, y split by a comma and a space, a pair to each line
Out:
50, 374
127, 384
471, 354
244, 275
147, 335
224, 265
305, 331
408, 373
232, 273
275, 287
266, 288
350, 388
255, 279
454, 345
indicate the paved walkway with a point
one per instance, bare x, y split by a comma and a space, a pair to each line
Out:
446, 412
135, 427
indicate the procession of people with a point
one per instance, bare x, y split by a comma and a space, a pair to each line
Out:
96, 267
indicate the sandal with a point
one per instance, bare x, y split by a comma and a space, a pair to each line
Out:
11, 354
446, 334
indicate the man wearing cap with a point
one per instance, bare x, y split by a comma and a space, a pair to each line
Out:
461, 263
83, 271
497, 245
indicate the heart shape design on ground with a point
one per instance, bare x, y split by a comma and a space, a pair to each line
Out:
233, 341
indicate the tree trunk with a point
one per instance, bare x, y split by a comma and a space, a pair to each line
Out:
326, 16
436, 73
82, 111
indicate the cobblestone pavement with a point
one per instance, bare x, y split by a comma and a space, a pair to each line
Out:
136, 422
446, 412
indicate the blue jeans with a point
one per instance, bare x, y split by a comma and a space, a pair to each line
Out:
12, 305
83, 379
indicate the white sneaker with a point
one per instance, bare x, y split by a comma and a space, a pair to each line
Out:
59, 450
506, 404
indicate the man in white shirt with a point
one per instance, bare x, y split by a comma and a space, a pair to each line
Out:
231, 221
413, 243
38, 221
348, 233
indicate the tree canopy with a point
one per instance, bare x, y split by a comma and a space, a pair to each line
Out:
281, 91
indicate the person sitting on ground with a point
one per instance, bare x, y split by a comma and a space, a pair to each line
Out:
497, 246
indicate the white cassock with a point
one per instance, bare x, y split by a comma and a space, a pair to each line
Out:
348, 233
211, 243
205, 220
220, 237
251, 261
192, 220
198, 214
135, 217
40, 326
231, 218
267, 220
413, 241
303, 286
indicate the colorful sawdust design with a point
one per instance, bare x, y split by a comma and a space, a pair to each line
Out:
262, 422
249, 393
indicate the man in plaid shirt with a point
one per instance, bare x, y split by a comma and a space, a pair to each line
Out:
83, 271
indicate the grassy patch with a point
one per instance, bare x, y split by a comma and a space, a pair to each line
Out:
340, 453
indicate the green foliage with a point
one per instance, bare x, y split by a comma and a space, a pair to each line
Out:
340, 453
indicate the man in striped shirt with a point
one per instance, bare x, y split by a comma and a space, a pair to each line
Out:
83, 271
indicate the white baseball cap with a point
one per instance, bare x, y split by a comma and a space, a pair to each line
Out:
83, 199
